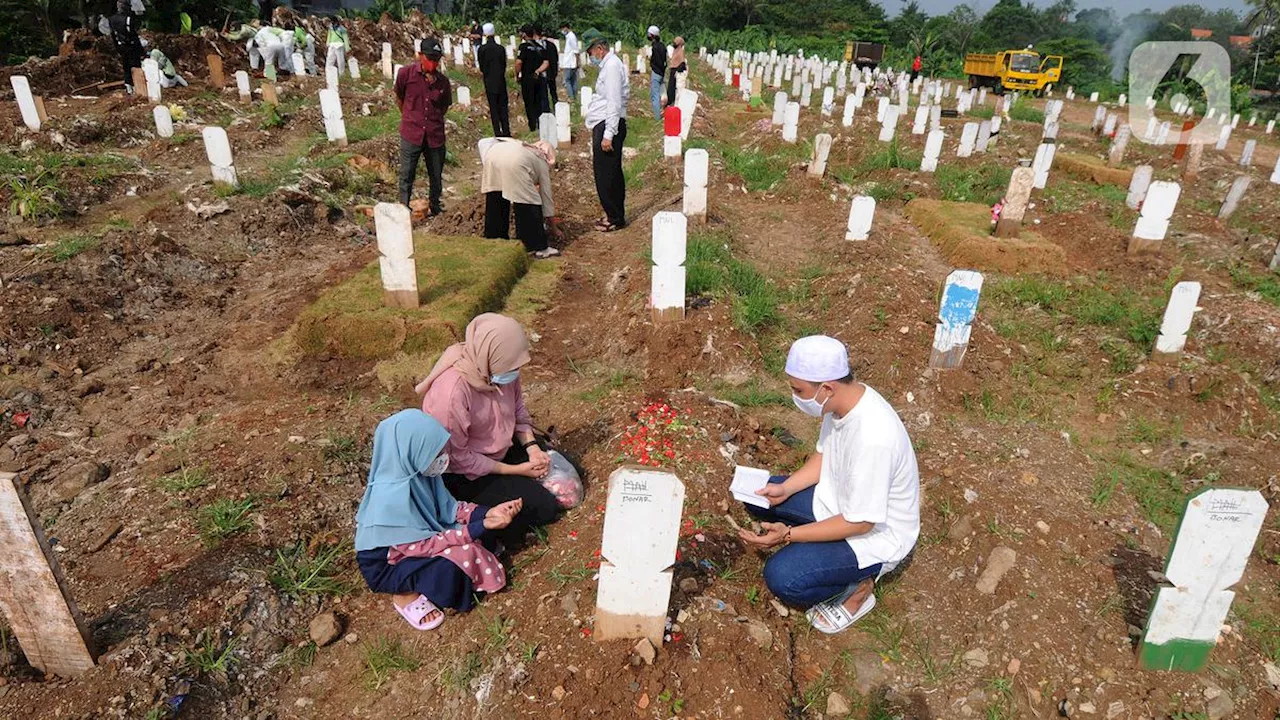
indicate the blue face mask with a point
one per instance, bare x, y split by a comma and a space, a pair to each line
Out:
596, 61
505, 378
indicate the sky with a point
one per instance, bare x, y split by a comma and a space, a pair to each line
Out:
1122, 7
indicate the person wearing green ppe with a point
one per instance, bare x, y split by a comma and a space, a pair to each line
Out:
305, 43
169, 76
337, 43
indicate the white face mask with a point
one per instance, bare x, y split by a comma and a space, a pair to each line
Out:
438, 466
810, 407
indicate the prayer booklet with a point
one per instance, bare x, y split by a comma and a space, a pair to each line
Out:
746, 481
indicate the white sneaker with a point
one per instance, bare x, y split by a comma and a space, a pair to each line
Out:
550, 252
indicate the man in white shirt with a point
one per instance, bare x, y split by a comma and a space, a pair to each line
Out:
569, 61
852, 512
607, 120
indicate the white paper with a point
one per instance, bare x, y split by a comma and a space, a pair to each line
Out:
746, 481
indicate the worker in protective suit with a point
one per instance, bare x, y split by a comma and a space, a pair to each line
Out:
248, 33
169, 76
338, 44
276, 47
305, 42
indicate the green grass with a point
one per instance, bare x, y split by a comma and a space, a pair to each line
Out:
755, 394
36, 196
298, 573
384, 656
498, 629
984, 184
1073, 195
1131, 316
206, 657
563, 577
760, 171
1260, 627
712, 270
891, 157
1159, 494
1023, 111
69, 246
362, 127
617, 380
457, 676
342, 448
981, 112
186, 478
223, 518
1268, 285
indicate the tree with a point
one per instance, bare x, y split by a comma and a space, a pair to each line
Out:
962, 25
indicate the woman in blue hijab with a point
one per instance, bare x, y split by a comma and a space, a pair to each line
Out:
413, 539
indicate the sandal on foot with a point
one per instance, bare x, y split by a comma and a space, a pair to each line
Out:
415, 612
831, 617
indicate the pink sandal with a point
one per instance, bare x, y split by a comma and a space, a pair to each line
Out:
414, 612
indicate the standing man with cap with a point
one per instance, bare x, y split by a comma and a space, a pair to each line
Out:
423, 94
657, 70
569, 61
493, 66
607, 120
852, 512
531, 68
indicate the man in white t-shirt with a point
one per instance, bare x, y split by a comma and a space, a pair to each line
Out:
852, 512
569, 61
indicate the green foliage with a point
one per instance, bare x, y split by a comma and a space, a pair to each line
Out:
760, 171
384, 656
186, 478
271, 117
299, 573
208, 658
69, 246
1268, 285
985, 184
224, 518
35, 197
1023, 111
711, 269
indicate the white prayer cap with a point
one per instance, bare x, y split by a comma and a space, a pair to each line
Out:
653, 30
488, 29
818, 359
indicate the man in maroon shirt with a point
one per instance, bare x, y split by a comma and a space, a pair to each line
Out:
423, 94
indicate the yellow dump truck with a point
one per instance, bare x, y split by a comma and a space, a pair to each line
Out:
1019, 70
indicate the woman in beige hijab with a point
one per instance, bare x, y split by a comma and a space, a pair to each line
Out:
474, 390
675, 66
519, 174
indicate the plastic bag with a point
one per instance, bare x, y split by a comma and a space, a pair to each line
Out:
563, 481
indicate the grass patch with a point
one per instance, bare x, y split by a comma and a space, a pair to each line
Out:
760, 171
187, 478
384, 656
891, 157
457, 676
223, 518
1022, 111
69, 246
1132, 316
342, 448
755, 394
206, 657
1260, 627
1160, 495
981, 112
36, 196
985, 184
458, 278
362, 127
617, 380
1268, 286
712, 270
299, 573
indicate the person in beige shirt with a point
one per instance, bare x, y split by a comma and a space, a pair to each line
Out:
519, 174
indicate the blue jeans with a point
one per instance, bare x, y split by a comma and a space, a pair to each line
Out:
655, 93
805, 574
571, 84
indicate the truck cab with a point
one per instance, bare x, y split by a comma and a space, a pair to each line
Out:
1018, 70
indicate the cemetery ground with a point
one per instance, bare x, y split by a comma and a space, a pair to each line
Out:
190, 400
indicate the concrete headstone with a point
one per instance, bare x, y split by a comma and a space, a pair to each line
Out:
666, 295
956, 314
861, 216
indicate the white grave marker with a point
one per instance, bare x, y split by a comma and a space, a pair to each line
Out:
641, 532
828, 101
26, 101
1043, 164
1014, 206
242, 86
1234, 196
331, 110
1157, 208
790, 121
861, 214
151, 71
547, 129
1119, 145
564, 130
968, 137
331, 77
890, 124
697, 164
984, 136
464, 96
821, 150
353, 68
218, 149
932, 151
1246, 156
850, 107
1177, 319
394, 225
779, 108
921, 120
666, 295
164, 121
1216, 535
956, 314
1138, 186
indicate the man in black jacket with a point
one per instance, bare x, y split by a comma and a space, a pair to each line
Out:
493, 66
531, 73
552, 54
124, 33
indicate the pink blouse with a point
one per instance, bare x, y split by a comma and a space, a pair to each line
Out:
481, 424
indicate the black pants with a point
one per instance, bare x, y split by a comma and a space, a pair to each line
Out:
553, 95
529, 227
534, 93
409, 156
131, 60
500, 113
611, 185
540, 506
